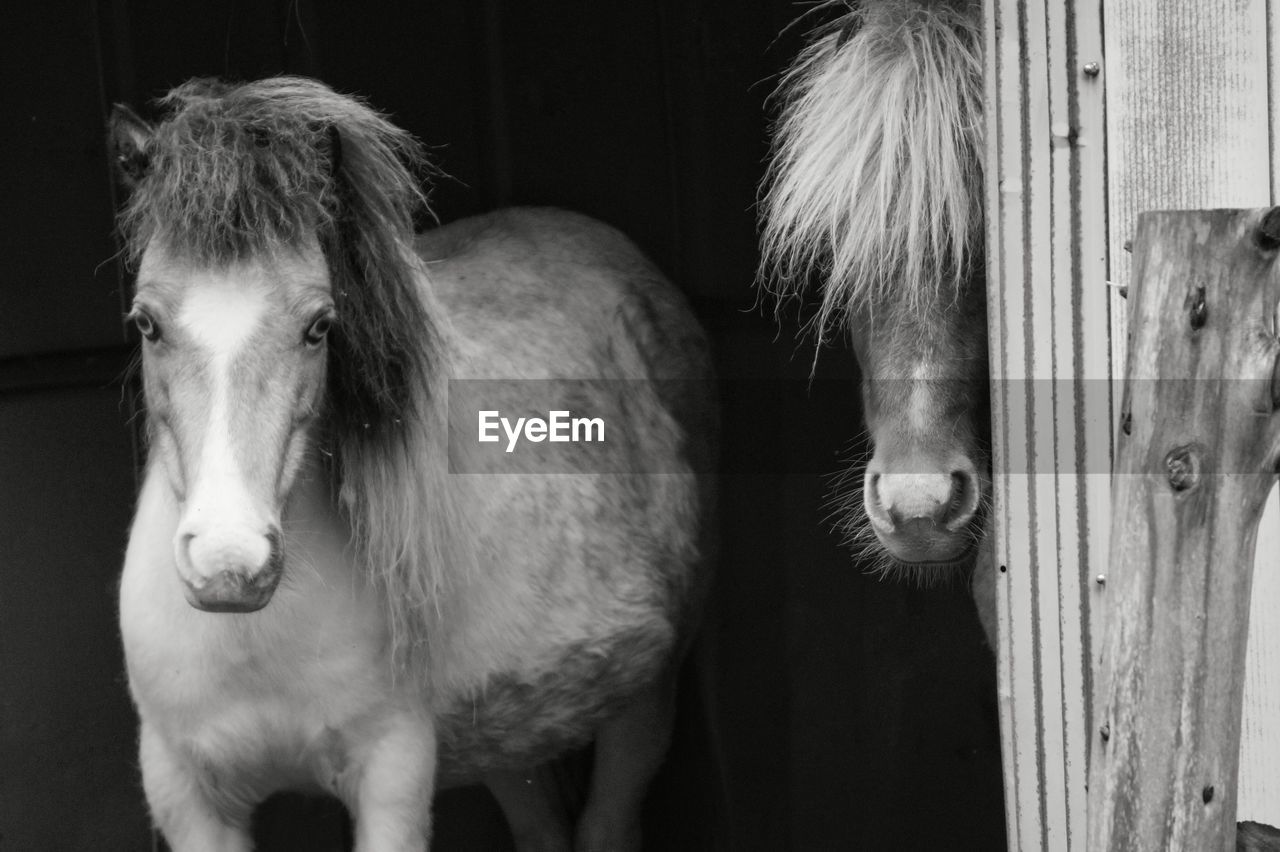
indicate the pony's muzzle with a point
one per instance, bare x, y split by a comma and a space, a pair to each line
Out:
923, 515
229, 573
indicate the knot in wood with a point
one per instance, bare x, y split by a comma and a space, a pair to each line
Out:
1199, 311
1207, 793
1183, 465
1267, 235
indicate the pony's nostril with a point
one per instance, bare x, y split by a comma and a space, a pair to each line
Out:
275, 556
963, 499
881, 517
873, 485
959, 484
184, 547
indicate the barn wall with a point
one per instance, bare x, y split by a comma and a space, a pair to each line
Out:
66, 456
836, 711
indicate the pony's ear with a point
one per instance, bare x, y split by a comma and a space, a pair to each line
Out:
129, 136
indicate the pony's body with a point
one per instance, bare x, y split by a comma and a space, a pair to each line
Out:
577, 583
521, 614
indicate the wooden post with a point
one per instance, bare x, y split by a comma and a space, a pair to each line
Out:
1196, 456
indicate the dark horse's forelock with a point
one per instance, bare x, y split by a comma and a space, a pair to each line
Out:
242, 170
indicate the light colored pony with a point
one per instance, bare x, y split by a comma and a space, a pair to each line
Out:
311, 599
876, 188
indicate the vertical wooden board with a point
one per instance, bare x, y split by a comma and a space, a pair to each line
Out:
1260, 732
1081, 390
1094, 369
1190, 125
1017, 673
1259, 797
1187, 114
1050, 405
1273, 89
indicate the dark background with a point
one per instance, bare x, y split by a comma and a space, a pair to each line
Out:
824, 710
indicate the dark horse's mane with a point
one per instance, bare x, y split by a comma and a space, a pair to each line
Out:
235, 171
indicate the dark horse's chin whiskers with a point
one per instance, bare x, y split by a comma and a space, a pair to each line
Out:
926, 574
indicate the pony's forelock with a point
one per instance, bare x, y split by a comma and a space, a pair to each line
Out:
236, 171
876, 181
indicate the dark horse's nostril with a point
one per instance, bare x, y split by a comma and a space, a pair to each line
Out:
959, 506
874, 505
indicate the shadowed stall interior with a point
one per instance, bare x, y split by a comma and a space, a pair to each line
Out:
821, 709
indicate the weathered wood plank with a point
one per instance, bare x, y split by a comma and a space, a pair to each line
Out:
1195, 462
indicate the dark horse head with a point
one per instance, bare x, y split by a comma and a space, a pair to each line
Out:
876, 185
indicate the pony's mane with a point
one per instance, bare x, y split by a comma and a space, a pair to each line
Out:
876, 179
237, 170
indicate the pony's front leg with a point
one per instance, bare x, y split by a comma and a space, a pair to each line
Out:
392, 801
535, 809
180, 805
629, 750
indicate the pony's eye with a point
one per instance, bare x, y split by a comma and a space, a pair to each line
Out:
146, 326
318, 329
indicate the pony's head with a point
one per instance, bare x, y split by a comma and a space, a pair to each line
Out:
234, 365
283, 338
877, 183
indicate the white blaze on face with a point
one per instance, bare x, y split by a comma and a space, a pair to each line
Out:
920, 407
219, 317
